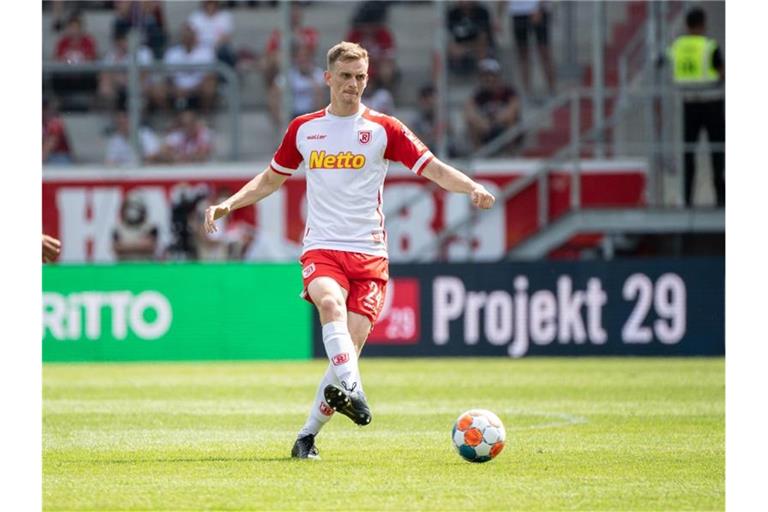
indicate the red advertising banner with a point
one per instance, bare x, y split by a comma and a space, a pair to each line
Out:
400, 320
82, 207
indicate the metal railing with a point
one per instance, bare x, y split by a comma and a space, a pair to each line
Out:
571, 155
232, 89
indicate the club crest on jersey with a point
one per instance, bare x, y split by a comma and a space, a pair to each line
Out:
364, 136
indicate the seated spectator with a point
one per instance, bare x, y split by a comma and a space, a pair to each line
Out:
191, 141
134, 237
378, 98
377, 39
192, 89
214, 29
75, 46
113, 84
471, 36
119, 149
301, 37
424, 123
61, 10
372, 11
494, 106
308, 89
145, 16
56, 148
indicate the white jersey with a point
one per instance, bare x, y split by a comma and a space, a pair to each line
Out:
346, 160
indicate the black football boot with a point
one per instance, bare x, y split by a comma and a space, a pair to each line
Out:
304, 448
349, 402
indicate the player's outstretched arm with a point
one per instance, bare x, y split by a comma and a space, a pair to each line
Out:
51, 248
252, 192
453, 180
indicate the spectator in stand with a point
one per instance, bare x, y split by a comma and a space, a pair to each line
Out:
471, 36
75, 46
113, 84
192, 89
493, 108
214, 29
208, 246
231, 239
308, 89
119, 149
378, 98
134, 237
146, 16
184, 201
301, 37
61, 10
424, 123
377, 39
372, 11
56, 148
530, 16
191, 141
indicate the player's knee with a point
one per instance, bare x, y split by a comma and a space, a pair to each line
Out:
331, 308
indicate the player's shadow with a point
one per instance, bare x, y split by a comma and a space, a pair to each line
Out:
180, 459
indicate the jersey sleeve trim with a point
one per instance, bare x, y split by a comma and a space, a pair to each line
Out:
281, 169
272, 166
422, 162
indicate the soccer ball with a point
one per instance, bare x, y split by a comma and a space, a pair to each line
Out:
478, 435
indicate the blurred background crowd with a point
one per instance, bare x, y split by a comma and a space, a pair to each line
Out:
508, 72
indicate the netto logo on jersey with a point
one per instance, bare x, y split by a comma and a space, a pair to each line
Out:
344, 160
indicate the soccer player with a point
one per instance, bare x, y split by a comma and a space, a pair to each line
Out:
345, 150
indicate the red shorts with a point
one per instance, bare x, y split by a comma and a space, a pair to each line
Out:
362, 275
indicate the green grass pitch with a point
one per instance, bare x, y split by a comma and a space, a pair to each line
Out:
582, 434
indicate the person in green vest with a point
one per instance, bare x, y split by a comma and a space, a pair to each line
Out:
699, 72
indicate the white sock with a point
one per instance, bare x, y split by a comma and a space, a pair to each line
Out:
342, 354
321, 413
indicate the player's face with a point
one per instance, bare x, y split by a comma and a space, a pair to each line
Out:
347, 80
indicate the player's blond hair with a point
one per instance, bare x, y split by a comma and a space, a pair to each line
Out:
346, 51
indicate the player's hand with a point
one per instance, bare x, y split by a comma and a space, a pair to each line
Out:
213, 213
482, 198
51, 248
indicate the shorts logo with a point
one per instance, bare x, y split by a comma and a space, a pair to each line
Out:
340, 358
372, 301
325, 409
364, 136
308, 270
